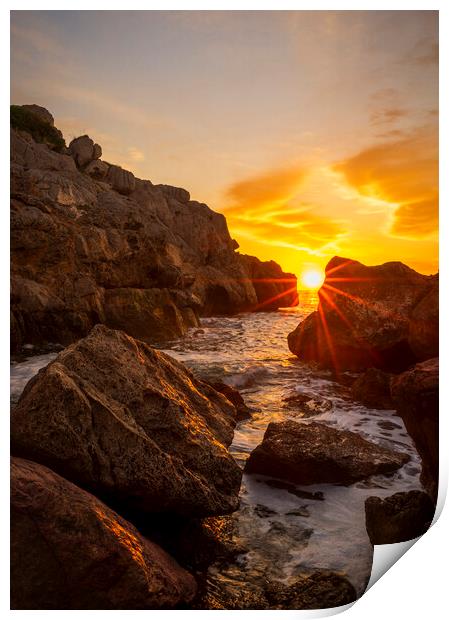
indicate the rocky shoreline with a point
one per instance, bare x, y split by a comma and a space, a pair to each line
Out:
122, 478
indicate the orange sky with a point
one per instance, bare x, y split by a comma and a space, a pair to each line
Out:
315, 133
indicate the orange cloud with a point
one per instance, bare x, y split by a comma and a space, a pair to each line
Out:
266, 208
404, 173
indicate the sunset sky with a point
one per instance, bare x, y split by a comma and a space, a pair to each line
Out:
315, 133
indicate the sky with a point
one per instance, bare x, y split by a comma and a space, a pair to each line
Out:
314, 132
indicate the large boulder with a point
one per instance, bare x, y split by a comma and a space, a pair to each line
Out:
84, 150
42, 113
70, 551
274, 288
415, 395
365, 317
313, 453
423, 331
372, 389
131, 425
399, 517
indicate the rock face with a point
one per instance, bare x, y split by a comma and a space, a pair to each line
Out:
83, 229
131, 425
380, 316
83, 150
415, 394
274, 288
70, 551
398, 518
312, 453
373, 389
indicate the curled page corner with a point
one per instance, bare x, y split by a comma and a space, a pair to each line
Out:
385, 556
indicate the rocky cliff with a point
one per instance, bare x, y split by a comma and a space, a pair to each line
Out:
385, 316
91, 243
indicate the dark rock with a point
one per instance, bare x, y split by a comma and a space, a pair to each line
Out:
398, 518
274, 288
234, 396
290, 488
132, 425
415, 394
364, 318
373, 389
423, 331
40, 112
320, 590
70, 551
313, 453
306, 406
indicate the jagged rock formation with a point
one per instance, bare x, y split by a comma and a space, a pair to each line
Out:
274, 288
70, 551
92, 243
384, 317
415, 395
131, 425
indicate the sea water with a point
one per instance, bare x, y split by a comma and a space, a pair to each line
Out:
284, 531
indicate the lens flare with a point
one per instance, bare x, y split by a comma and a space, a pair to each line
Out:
312, 278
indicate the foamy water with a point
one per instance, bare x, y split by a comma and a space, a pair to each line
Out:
286, 534
290, 530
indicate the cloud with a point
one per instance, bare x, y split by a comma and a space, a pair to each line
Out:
387, 116
267, 208
136, 154
404, 173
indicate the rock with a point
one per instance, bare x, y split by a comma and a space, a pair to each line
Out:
40, 112
306, 405
415, 395
320, 590
373, 389
83, 150
123, 181
177, 193
313, 453
144, 313
399, 517
234, 396
423, 331
97, 169
364, 317
78, 234
131, 425
274, 288
70, 551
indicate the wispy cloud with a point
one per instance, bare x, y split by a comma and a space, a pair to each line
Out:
403, 173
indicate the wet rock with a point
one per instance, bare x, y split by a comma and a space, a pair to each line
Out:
373, 389
132, 425
84, 150
274, 288
263, 511
70, 551
299, 512
306, 406
398, 518
234, 396
415, 394
320, 590
290, 488
364, 318
314, 453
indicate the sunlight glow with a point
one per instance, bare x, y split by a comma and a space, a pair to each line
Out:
312, 278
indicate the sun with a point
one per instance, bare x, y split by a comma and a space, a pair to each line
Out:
312, 278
